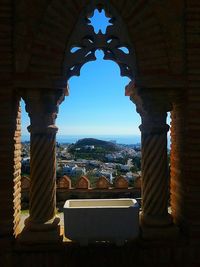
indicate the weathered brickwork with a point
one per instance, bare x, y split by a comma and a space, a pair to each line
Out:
192, 151
17, 173
10, 164
185, 156
10, 125
177, 185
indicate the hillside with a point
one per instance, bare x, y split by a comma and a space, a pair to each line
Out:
105, 145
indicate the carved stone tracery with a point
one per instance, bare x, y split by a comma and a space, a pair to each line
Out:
86, 42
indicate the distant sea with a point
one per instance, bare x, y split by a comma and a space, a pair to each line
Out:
119, 139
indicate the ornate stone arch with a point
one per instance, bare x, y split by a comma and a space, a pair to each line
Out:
43, 41
111, 43
50, 62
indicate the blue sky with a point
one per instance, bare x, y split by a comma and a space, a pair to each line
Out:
97, 104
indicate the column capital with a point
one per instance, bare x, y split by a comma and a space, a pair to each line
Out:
154, 129
45, 100
42, 107
49, 129
151, 101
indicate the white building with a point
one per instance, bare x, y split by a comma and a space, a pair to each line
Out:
125, 168
107, 173
73, 170
79, 171
68, 170
89, 147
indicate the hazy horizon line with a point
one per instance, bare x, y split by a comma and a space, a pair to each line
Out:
120, 139
91, 134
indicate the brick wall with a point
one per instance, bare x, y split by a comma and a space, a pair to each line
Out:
9, 163
192, 151
10, 130
17, 172
185, 159
177, 182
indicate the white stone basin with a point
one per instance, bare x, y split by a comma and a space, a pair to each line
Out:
89, 220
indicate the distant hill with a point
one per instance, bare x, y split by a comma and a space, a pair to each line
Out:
108, 146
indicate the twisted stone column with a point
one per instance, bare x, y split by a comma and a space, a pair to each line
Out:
42, 106
153, 105
155, 184
43, 175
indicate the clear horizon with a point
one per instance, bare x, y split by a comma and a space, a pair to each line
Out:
120, 139
123, 139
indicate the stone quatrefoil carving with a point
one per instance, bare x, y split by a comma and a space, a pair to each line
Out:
114, 43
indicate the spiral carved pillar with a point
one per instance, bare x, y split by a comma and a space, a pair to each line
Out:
42, 106
152, 105
155, 185
43, 174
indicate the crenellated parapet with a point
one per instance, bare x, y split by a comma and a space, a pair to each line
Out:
102, 188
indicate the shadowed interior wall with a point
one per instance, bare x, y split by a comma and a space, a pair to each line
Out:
10, 124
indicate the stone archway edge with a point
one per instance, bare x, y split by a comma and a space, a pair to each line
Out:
35, 80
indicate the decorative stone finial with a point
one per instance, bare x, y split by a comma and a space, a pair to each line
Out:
138, 182
64, 182
83, 183
102, 183
120, 182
